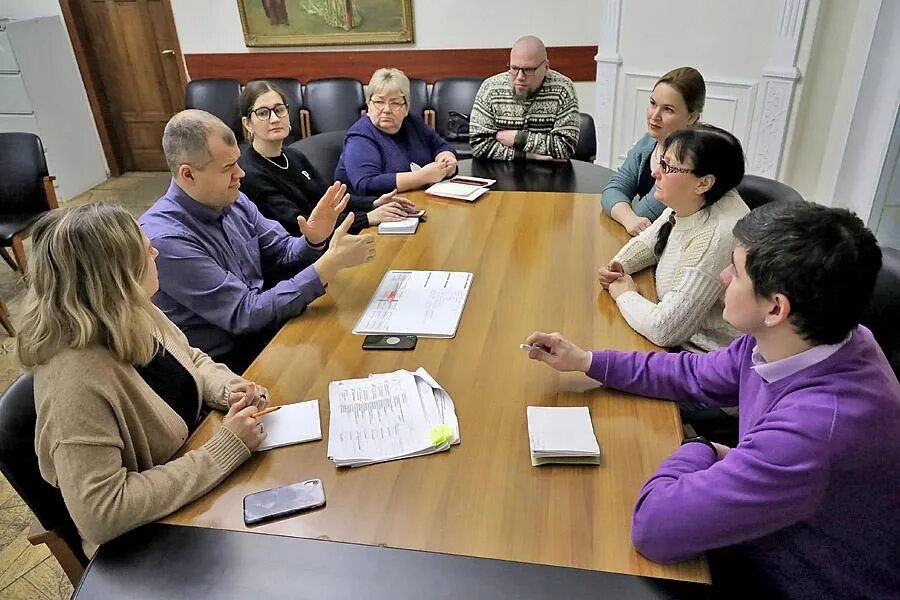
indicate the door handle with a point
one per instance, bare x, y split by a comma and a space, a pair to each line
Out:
168, 52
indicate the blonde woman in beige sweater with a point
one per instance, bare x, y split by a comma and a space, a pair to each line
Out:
690, 244
117, 388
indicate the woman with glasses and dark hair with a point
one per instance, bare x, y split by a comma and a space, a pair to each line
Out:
690, 243
281, 181
389, 148
676, 102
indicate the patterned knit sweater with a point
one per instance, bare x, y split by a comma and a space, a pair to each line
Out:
548, 121
690, 290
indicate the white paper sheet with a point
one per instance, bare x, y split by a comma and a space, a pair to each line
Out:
292, 424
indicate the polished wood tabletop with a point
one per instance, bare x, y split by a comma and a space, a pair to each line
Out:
534, 257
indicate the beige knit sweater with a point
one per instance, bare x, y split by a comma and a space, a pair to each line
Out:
690, 290
106, 439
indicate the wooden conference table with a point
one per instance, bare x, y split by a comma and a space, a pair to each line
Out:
535, 257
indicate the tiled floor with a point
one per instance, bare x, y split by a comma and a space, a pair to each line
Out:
29, 572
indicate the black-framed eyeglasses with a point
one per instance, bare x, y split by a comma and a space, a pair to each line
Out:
667, 168
264, 112
526, 71
393, 105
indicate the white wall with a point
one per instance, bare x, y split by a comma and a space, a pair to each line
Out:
25, 9
214, 26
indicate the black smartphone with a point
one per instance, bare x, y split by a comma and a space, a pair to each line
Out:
389, 342
283, 501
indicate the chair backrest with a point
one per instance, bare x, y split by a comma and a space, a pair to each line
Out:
418, 96
757, 190
333, 104
24, 167
293, 90
882, 315
219, 97
323, 150
18, 461
456, 94
586, 150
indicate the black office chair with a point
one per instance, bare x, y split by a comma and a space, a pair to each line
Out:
26, 193
219, 97
586, 150
293, 90
882, 315
19, 464
456, 94
757, 190
323, 150
331, 105
418, 99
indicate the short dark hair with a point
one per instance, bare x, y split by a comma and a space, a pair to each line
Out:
823, 259
711, 151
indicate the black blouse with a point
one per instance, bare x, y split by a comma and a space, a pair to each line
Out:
646, 181
287, 186
172, 382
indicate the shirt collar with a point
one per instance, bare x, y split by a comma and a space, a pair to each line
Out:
194, 208
779, 369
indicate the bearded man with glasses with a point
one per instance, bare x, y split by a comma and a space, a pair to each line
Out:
527, 112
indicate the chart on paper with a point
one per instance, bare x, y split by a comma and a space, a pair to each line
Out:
423, 303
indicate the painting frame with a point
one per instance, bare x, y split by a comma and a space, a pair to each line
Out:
254, 39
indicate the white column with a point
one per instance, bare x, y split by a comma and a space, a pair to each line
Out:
608, 62
779, 80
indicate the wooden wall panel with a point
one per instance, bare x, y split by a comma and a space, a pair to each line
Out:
576, 62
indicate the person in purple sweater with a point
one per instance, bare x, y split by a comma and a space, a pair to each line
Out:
389, 148
807, 505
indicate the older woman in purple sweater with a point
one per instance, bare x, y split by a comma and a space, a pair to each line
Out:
807, 505
388, 148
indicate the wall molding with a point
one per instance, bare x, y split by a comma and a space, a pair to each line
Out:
577, 62
779, 82
609, 62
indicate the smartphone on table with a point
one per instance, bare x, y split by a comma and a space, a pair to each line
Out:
283, 501
389, 342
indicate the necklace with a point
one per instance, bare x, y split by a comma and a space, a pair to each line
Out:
286, 162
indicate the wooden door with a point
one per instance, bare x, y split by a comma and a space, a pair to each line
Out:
131, 48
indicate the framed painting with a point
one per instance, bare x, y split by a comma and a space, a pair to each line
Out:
326, 22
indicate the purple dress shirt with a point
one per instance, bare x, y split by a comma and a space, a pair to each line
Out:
211, 269
809, 500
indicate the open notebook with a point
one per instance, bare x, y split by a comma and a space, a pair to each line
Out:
461, 188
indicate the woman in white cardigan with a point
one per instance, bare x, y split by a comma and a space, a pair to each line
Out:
690, 244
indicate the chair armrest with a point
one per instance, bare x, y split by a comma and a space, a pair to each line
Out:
37, 535
50, 191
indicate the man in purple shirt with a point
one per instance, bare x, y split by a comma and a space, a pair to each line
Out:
229, 277
807, 505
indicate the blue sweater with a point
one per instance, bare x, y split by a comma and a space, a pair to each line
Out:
372, 158
623, 186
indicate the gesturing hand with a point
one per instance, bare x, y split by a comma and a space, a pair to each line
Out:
349, 250
321, 220
558, 352
610, 273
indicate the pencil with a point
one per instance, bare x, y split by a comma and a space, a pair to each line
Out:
265, 412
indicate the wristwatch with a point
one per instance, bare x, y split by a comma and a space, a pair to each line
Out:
702, 440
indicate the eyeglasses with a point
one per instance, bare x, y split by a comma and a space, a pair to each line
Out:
393, 105
264, 112
526, 71
667, 168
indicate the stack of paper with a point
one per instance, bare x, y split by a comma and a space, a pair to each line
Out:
562, 435
461, 188
388, 417
292, 424
407, 226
